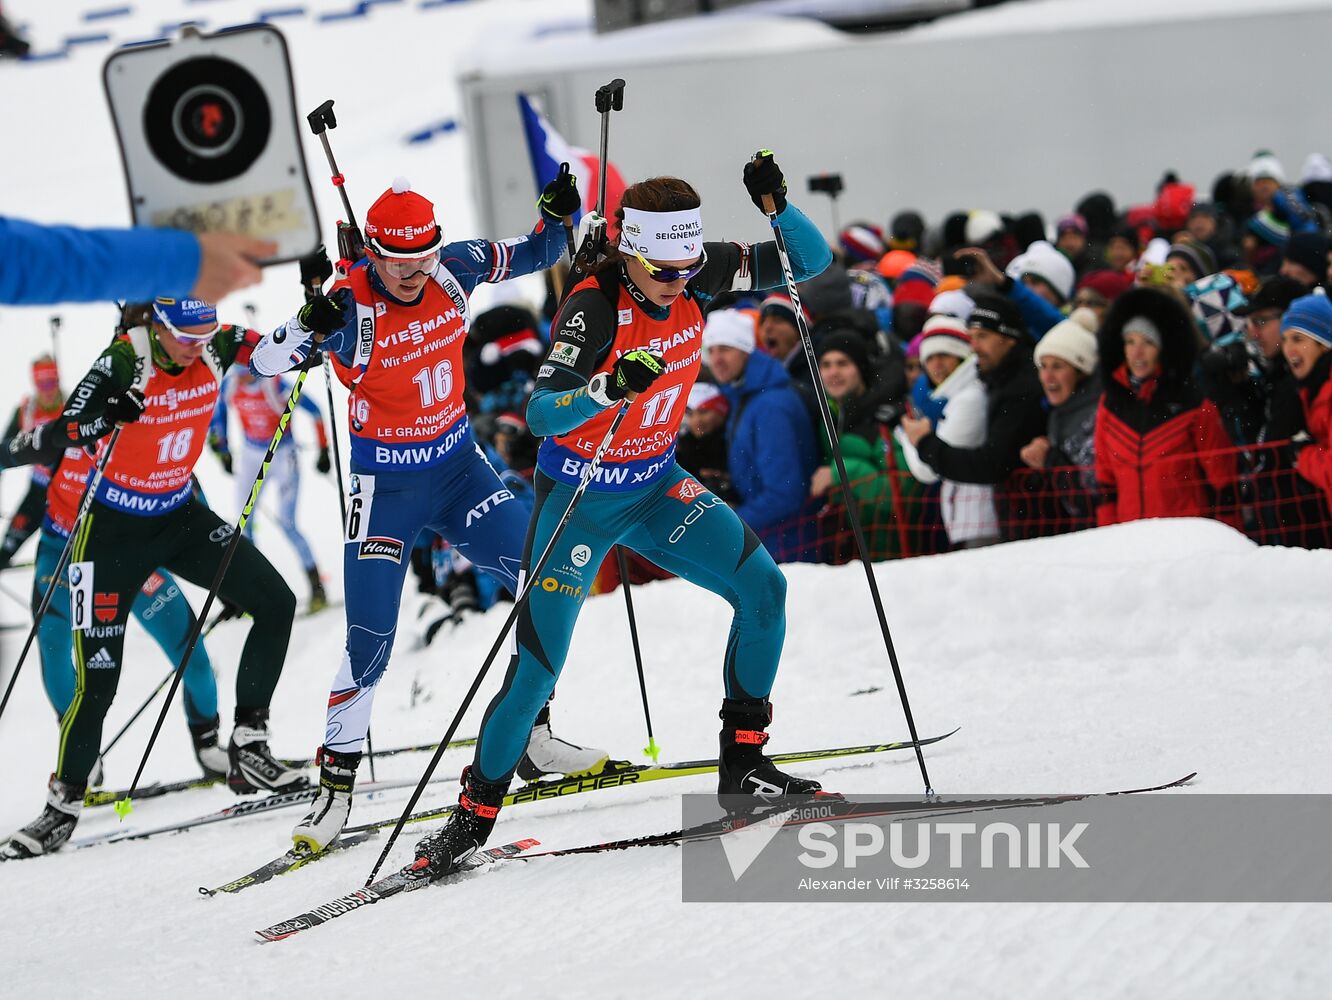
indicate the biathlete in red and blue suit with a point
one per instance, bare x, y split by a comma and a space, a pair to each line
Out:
395, 326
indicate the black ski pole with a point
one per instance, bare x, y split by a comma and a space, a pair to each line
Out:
609, 98
89, 491
55, 339
135, 717
853, 514
519, 600
123, 806
652, 750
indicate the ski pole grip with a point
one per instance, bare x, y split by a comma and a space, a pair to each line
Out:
322, 117
769, 206
611, 96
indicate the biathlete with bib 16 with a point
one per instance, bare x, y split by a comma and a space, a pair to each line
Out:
395, 326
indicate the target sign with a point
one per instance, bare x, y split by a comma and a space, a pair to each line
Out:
209, 137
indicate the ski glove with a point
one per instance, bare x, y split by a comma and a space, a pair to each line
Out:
322, 463
219, 448
763, 176
560, 198
634, 372
322, 315
125, 407
316, 268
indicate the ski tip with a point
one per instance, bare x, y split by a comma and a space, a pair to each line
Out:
206, 892
124, 807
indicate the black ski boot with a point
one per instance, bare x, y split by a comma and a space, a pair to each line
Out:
318, 596
253, 767
214, 760
49, 831
742, 769
467, 829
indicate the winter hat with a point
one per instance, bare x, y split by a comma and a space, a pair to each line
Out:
894, 263
862, 242
510, 423
1311, 315
1043, 261
917, 283
1143, 327
780, 306
944, 334
1309, 250
705, 396
729, 328
1073, 221
1073, 340
954, 302
1277, 292
401, 223
1268, 228
1172, 206
45, 374
983, 226
998, 315
1265, 164
177, 313
827, 292
506, 333
1129, 233
1098, 208
850, 345
1197, 255
906, 229
1316, 168
1108, 284
1216, 301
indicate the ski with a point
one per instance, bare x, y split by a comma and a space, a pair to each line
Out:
407, 879
829, 807
289, 862
626, 774
101, 797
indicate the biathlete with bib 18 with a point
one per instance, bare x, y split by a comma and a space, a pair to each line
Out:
395, 325
635, 327
145, 515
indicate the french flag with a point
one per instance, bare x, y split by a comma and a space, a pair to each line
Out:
548, 150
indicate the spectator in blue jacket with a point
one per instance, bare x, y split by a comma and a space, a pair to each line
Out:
44, 265
770, 441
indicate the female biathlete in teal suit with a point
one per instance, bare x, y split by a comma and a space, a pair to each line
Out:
635, 327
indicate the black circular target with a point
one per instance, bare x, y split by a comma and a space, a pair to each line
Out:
207, 119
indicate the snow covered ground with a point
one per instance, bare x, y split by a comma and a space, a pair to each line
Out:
1103, 660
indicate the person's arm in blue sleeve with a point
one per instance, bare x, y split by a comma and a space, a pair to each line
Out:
217, 426
582, 334
49, 264
1038, 314
784, 484
809, 252
473, 262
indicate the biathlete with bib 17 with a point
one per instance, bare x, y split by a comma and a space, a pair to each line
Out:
635, 327
395, 325
145, 515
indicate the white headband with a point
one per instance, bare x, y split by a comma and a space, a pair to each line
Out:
665, 236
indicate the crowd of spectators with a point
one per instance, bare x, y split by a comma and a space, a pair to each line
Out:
993, 377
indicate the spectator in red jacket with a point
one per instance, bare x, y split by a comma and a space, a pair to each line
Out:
1306, 342
1160, 446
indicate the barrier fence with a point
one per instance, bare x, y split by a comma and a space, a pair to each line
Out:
1254, 489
